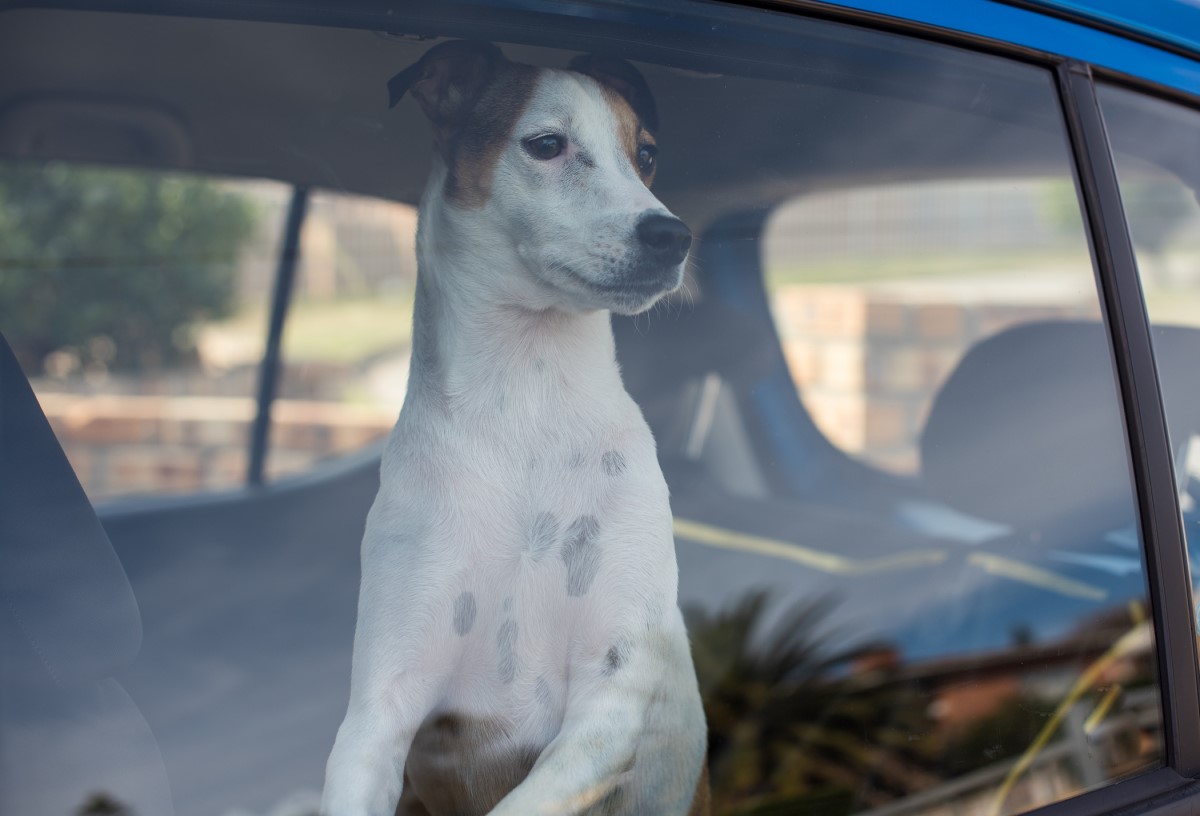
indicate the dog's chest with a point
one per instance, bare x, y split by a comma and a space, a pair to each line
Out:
545, 543
549, 534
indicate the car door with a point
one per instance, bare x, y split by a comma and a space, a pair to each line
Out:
927, 512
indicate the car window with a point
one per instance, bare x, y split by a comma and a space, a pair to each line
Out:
877, 292
136, 302
348, 333
882, 401
1158, 168
895, 445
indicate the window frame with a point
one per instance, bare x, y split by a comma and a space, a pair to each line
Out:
1170, 789
1128, 325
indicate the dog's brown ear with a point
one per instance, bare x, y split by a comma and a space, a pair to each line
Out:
448, 81
625, 80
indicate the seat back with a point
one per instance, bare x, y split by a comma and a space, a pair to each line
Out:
69, 734
1028, 431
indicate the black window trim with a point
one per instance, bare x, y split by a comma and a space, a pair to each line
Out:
271, 366
1150, 453
1153, 468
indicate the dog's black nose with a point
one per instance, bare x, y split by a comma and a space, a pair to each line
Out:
664, 237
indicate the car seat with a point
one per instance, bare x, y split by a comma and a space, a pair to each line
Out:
71, 739
1028, 431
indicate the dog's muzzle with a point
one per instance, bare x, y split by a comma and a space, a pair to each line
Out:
664, 240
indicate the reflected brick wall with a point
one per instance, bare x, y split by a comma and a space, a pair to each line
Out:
868, 360
123, 444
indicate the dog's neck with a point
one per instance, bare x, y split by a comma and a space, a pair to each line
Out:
477, 346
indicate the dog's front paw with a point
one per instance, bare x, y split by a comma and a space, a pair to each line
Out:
357, 801
359, 789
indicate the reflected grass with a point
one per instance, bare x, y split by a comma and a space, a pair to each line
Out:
341, 331
347, 330
866, 268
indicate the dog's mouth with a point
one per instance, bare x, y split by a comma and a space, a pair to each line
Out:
636, 288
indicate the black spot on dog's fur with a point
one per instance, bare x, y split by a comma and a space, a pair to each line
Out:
506, 643
464, 613
612, 463
612, 661
543, 535
581, 555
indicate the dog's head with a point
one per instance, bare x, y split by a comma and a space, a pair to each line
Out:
557, 165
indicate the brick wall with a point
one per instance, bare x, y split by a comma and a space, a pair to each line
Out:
868, 360
122, 444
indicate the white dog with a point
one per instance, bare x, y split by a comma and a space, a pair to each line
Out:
519, 648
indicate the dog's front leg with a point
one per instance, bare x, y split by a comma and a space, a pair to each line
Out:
366, 767
399, 673
632, 741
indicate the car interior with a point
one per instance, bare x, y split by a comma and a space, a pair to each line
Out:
191, 654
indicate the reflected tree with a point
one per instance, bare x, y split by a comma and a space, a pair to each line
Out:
798, 726
102, 804
111, 266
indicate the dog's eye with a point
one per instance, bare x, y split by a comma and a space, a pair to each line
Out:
645, 159
545, 147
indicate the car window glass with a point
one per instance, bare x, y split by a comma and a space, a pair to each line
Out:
878, 290
1158, 168
882, 401
136, 303
348, 332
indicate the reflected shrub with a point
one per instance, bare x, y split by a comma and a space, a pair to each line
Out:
114, 267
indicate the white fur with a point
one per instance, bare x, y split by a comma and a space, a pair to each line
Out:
515, 413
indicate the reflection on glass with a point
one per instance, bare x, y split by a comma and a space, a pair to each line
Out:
885, 408
348, 334
877, 291
905, 520
135, 301
802, 724
1158, 167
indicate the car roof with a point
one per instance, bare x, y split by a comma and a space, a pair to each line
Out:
1171, 23
1154, 42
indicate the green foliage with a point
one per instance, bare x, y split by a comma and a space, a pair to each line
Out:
1154, 208
102, 804
799, 727
1060, 207
1003, 734
115, 265
789, 730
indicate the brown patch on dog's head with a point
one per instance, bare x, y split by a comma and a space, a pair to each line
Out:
626, 80
447, 81
473, 155
629, 96
473, 97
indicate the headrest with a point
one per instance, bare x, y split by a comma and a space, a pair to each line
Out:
63, 591
1028, 431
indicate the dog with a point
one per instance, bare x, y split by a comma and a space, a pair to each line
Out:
519, 647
